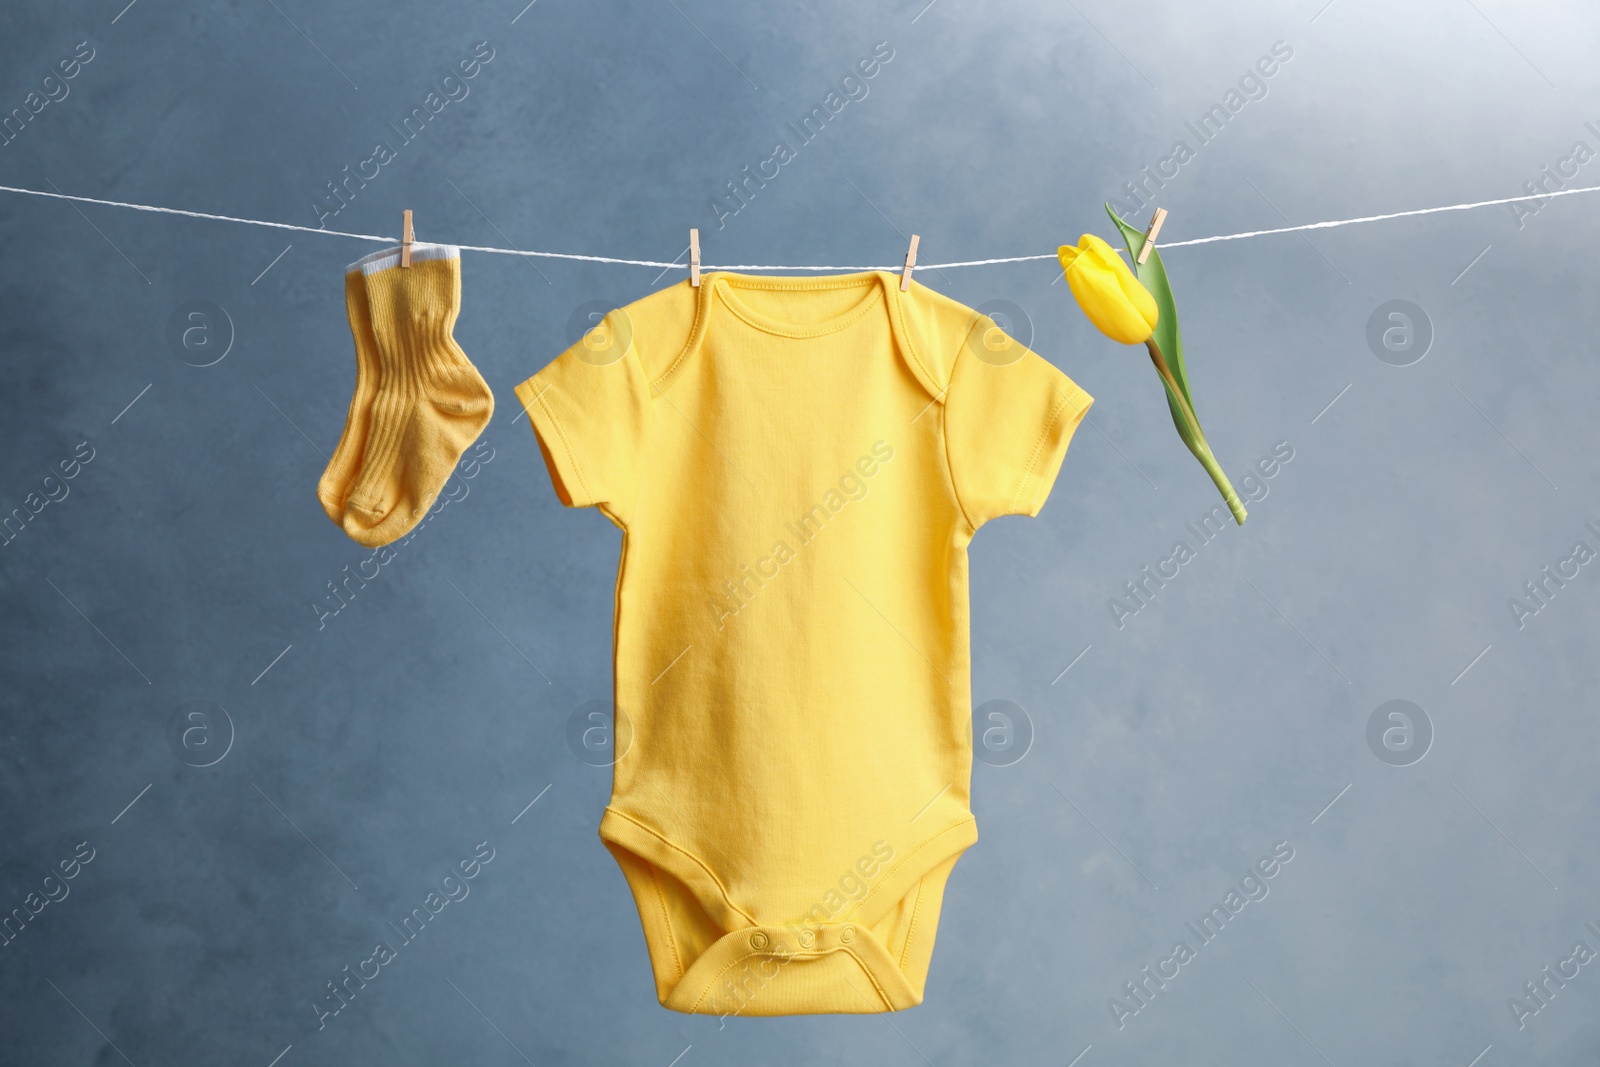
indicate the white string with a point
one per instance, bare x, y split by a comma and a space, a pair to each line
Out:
1378, 218
761, 266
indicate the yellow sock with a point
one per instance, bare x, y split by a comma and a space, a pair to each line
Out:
429, 402
340, 475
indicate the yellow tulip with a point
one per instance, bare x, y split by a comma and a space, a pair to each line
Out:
1118, 305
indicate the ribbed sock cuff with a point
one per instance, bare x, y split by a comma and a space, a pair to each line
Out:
390, 257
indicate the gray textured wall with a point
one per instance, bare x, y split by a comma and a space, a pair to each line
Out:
352, 759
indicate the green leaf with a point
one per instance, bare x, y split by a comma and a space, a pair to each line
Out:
1153, 276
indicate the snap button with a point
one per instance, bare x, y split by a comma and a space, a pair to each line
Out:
848, 934
808, 938
759, 940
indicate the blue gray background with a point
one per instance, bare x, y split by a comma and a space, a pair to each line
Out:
354, 758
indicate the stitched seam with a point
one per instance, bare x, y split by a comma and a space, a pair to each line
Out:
702, 310
561, 432
697, 860
887, 1003
836, 282
731, 965
911, 931
797, 331
942, 399
718, 977
1039, 447
666, 923
811, 954
911, 349
950, 467
907, 859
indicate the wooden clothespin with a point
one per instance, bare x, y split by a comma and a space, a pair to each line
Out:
405, 240
911, 263
694, 258
1150, 235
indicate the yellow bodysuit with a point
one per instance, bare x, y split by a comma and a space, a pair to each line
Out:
797, 465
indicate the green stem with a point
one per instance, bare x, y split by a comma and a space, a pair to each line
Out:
1203, 451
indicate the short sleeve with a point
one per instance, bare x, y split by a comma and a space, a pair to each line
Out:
590, 408
1009, 415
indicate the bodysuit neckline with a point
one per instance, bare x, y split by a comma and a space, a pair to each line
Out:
721, 285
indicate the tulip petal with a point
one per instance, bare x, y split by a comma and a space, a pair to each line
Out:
1132, 290
1101, 298
1140, 298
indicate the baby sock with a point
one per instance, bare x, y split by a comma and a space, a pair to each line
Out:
340, 475
428, 402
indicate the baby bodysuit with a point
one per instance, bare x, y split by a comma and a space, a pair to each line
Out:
797, 465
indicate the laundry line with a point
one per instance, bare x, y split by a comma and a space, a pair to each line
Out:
704, 267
